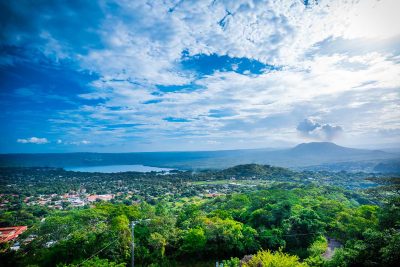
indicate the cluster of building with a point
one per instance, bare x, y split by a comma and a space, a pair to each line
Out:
57, 201
5, 200
212, 195
73, 199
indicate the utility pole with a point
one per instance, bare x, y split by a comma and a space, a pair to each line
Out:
133, 244
133, 223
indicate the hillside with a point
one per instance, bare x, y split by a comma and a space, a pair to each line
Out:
249, 170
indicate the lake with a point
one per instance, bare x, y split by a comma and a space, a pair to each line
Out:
117, 168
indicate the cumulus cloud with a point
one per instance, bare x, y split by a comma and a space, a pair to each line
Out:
33, 140
312, 129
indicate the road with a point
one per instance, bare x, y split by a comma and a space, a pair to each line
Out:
330, 250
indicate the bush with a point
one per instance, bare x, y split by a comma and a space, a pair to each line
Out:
96, 262
267, 258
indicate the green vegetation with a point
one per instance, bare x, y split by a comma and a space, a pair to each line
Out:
279, 223
268, 259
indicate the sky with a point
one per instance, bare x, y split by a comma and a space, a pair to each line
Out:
122, 76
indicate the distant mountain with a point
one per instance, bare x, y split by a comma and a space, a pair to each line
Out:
388, 166
312, 154
322, 148
330, 152
315, 155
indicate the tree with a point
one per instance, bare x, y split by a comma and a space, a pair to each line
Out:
389, 216
194, 241
158, 243
302, 228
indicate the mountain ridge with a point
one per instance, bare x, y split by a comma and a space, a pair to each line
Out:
301, 155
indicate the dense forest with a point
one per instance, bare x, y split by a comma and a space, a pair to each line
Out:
256, 216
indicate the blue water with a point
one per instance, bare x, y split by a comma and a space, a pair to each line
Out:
117, 168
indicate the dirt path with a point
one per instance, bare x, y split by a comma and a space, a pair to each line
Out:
330, 250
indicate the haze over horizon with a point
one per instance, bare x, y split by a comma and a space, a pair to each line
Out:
319, 145
126, 76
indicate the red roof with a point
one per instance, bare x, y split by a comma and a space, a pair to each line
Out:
10, 233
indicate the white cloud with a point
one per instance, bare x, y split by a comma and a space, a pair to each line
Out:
77, 143
328, 87
312, 129
145, 43
373, 19
143, 46
33, 140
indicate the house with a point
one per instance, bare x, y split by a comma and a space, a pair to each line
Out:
76, 202
106, 197
10, 233
16, 246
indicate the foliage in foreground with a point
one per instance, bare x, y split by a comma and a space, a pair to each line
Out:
96, 262
253, 223
267, 258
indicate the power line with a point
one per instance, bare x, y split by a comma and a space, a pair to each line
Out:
43, 237
98, 251
40, 238
299, 234
133, 224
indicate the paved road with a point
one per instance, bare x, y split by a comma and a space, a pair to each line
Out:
330, 250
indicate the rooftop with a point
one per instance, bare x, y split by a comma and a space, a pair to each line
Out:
10, 233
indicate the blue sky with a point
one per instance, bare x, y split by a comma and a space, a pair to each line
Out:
120, 76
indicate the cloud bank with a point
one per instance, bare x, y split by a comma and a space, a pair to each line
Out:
33, 140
